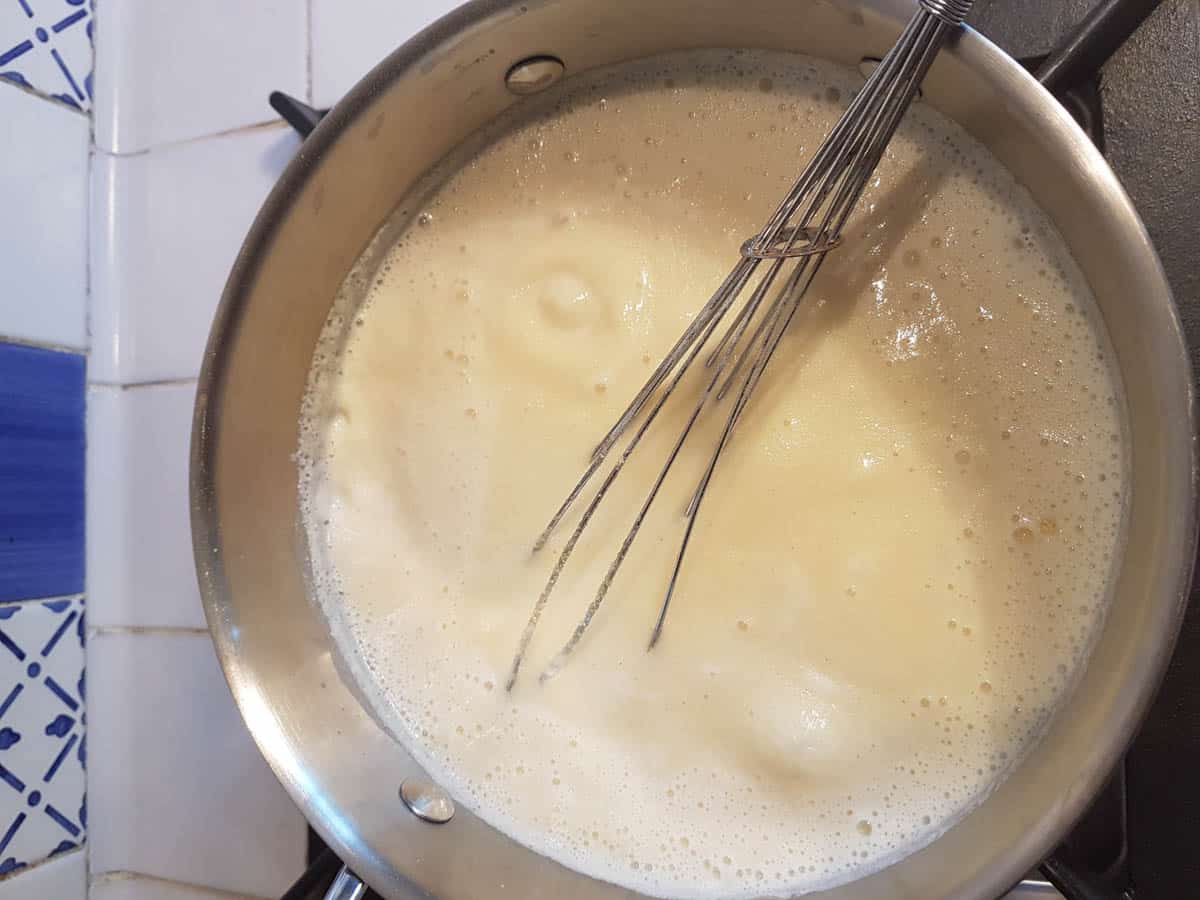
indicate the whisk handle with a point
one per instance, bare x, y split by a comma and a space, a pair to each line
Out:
952, 12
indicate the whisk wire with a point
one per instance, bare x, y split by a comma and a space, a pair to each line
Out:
825, 193
611, 574
717, 305
680, 371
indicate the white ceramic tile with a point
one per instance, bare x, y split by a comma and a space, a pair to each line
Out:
170, 70
350, 36
139, 543
166, 226
63, 877
125, 886
42, 745
47, 46
43, 218
180, 787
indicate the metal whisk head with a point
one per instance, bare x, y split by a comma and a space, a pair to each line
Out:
785, 256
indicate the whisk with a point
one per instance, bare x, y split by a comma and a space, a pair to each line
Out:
790, 249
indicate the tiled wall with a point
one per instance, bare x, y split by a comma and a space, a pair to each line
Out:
115, 240
43, 264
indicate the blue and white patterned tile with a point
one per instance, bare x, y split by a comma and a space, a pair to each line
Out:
43, 748
46, 45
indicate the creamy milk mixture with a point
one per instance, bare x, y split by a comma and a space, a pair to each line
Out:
904, 554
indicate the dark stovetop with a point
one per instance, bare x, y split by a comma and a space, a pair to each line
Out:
1150, 94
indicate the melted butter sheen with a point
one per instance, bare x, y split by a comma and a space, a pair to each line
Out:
903, 558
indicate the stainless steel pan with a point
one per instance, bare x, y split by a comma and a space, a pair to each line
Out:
340, 765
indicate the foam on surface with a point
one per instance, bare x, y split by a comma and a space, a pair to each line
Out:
902, 560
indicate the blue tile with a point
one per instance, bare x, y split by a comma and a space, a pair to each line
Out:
41, 472
47, 45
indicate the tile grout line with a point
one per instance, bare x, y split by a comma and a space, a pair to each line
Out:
41, 95
57, 857
308, 47
88, 243
191, 380
88, 236
160, 630
87, 240
262, 125
57, 598
121, 875
43, 345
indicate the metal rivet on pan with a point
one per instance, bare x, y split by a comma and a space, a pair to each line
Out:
426, 800
534, 74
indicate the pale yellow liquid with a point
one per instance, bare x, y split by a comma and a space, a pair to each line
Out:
903, 556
